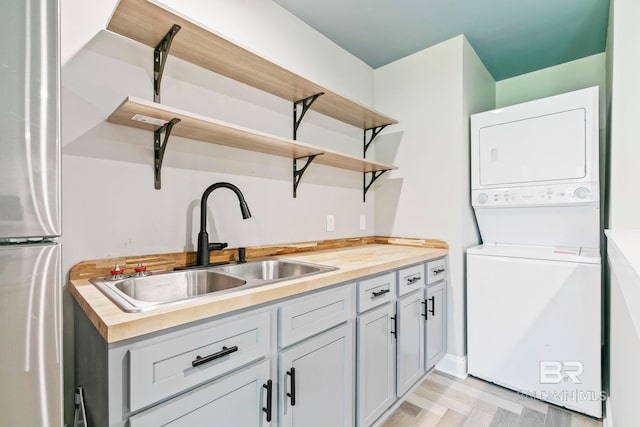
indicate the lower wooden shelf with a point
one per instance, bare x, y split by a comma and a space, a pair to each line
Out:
153, 117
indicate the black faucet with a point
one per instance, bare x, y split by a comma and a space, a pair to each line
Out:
202, 258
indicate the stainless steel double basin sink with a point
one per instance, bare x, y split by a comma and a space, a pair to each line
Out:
165, 288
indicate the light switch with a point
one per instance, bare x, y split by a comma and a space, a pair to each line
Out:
330, 223
363, 222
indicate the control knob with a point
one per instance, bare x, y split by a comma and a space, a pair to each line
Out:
482, 198
581, 193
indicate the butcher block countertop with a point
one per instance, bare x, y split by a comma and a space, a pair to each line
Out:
352, 262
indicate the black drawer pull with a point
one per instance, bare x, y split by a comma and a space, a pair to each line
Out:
292, 395
394, 332
224, 352
413, 279
432, 310
425, 310
267, 410
380, 292
438, 271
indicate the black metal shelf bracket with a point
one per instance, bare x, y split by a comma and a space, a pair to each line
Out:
374, 175
159, 147
305, 103
374, 132
297, 173
160, 59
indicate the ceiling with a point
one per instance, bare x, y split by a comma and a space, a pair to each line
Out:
511, 37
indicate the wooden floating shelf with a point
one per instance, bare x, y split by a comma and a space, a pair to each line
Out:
148, 22
194, 126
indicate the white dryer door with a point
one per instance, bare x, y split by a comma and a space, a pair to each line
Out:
534, 326
546, 148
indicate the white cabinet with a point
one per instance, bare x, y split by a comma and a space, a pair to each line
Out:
376, 347
178, 376
162, 368
226, 370
376, 291
436, 311
410, 279
436, 323
376, 365
410, 340
316, 380
436, 270
304, 317
239, 400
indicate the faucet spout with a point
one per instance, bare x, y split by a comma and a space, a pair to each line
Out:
202, 256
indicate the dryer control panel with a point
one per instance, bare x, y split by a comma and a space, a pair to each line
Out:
541, 195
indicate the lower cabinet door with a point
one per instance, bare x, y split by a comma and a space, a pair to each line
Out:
410, 341
238, 399
316, 380
376, 370
436, 323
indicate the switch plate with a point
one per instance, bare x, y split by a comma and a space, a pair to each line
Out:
363, 222
330, 223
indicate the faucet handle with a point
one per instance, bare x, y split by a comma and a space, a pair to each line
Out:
141, 271
117, 273
242, 255
217, 246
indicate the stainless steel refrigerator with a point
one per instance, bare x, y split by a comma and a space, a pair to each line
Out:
30, 256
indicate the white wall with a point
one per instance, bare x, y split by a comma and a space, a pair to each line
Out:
623, 63
110, 207
624, 334
479, 91
625, 111
432, 93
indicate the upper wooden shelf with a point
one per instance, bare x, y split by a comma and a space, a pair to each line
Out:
148, 22
206, 129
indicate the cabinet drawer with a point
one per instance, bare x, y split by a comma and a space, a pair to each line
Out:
307, 316
164, 368
410, 279
436, 270
234, 400
376, 291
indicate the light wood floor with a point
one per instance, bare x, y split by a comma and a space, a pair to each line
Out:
444, 401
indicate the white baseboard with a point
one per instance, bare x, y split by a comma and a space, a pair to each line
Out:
453, 365
608, 420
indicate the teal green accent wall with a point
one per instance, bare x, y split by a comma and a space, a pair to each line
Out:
574, 75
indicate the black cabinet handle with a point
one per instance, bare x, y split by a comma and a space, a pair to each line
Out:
292, 395
432, 310
425, 309
413, 279
394, 332
224, 352
380, 292
267, 410
438, 271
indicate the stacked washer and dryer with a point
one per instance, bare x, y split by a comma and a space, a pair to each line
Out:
534, 285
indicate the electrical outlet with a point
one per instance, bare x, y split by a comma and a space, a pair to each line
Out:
330, 223
363, 222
